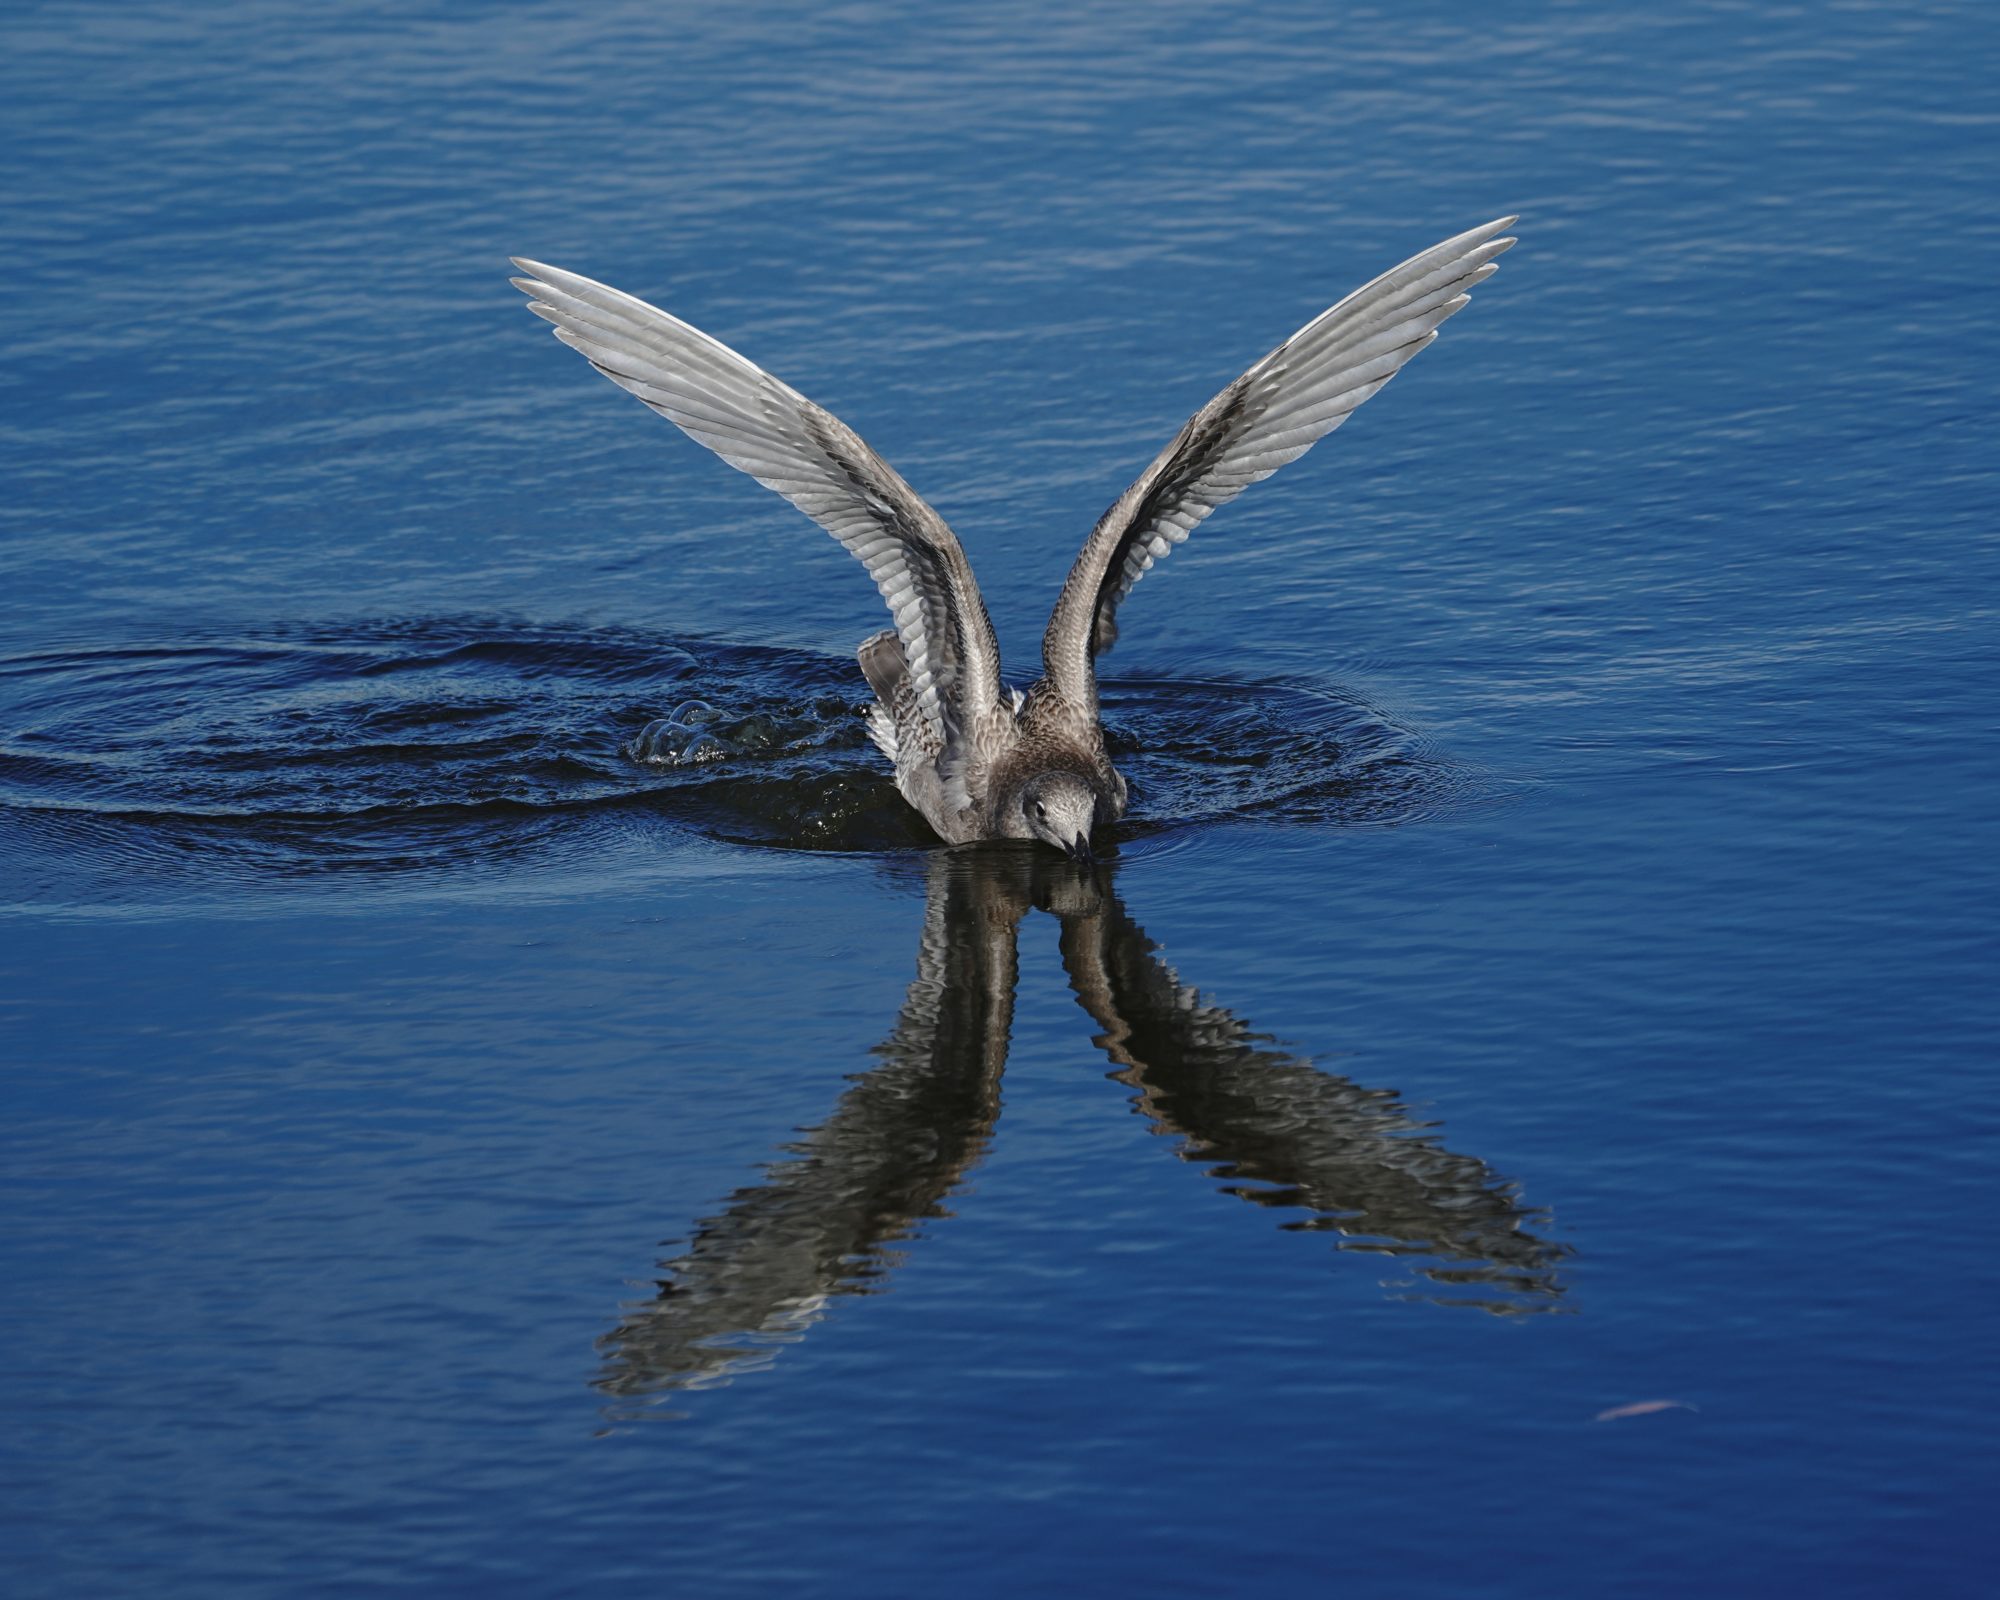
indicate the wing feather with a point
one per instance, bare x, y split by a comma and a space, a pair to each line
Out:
775, 434
1273, 414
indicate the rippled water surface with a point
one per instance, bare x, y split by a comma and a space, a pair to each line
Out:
502, 1098
457, 750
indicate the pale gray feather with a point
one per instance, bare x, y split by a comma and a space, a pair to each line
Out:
769, 430
1273, 414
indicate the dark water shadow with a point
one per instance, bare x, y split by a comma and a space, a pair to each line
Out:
452, 751
1330, 1155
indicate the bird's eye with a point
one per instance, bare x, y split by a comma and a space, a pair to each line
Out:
1041, 810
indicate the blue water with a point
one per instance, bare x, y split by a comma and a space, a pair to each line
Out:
1549, 969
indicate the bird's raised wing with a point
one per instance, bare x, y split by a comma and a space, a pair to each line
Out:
1274, 413
808, 455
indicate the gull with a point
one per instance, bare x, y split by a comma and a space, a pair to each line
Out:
979, 761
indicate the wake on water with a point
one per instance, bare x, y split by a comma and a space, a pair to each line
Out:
453, 746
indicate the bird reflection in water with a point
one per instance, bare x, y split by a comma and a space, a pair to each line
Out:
1271, 1127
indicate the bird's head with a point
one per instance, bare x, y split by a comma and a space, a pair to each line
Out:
1060, 808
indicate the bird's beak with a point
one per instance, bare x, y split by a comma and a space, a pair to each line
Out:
1078, 850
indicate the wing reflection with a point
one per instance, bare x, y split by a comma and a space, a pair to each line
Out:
760, 1272
1281, 1132
1277, 1130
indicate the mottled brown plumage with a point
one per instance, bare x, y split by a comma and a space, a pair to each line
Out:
977, 762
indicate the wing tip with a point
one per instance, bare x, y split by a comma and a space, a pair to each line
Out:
1487, 237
